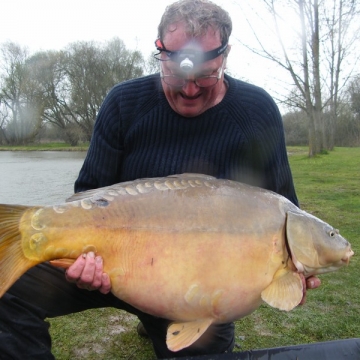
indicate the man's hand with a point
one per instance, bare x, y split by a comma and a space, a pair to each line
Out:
311, 282
87, 273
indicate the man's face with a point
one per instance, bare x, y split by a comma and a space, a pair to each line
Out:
192, 100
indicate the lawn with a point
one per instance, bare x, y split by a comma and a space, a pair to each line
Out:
48, 146
328, 186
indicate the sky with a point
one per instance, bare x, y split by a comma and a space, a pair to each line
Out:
53, 24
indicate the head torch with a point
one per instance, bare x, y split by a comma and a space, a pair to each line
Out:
188, 58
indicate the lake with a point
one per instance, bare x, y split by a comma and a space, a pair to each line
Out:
38, 177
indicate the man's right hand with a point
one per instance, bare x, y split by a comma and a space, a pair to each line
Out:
87, 273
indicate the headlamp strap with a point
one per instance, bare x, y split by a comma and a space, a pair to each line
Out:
196, 56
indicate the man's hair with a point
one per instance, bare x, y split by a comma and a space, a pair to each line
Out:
198, 16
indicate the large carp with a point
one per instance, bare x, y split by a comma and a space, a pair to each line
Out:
189, 248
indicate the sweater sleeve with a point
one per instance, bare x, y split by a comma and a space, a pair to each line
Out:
103, 160
271, 149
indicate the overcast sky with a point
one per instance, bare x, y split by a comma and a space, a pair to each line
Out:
53, 24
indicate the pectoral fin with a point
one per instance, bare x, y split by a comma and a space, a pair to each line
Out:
182, 334
285, 291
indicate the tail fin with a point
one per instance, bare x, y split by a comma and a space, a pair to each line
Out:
13, 263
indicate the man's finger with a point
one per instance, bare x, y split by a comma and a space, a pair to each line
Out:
97, 278
105, 284
313, 282
87, 274
73, 273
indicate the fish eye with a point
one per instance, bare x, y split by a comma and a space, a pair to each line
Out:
333, 232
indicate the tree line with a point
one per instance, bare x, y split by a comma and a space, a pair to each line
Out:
63, 89
345, 128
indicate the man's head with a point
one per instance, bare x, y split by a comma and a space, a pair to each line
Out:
197, 16
193, 44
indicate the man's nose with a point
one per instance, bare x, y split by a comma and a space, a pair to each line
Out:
190, 88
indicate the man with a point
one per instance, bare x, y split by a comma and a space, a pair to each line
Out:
191, 118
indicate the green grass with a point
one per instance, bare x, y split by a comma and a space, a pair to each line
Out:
98, 334
52, 146
328, 186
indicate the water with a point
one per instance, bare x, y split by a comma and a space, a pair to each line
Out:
38, 177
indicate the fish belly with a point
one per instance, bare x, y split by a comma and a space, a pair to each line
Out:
191, 276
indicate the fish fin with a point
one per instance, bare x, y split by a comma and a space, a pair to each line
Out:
62, 263
13, 262
285, 291
182, 334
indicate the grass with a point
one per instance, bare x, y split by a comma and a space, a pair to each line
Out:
98, 334
52, 146
328, 186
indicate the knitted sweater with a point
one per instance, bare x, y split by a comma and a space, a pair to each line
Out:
138, 135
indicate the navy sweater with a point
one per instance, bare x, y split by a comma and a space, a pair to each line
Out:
138, 135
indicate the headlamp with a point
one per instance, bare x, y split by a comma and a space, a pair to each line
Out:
188, 58
186, 65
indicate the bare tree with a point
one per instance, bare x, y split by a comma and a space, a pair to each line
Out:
152, 65
348, 120
65, 88
323, 37
20, 95
4, 120
354, 93
75, 81
50, 72
92, 70
339, 39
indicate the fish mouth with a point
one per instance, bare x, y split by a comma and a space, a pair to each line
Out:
347, 257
